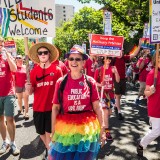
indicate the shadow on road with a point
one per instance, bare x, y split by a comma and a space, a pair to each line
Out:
127, 132
34, 149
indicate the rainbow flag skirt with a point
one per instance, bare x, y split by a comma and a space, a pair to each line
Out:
76, 137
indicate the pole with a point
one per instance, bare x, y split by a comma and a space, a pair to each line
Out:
156, 67
27, 58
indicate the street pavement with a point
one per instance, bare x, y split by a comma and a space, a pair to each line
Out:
125, 134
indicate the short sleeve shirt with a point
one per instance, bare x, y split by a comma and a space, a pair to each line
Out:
154, 99
76, 94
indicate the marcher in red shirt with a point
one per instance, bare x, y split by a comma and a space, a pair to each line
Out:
7, 100
153, 94
110, 72
90, 65
77, 118
120, 87
144, 64
20, 80
43, 78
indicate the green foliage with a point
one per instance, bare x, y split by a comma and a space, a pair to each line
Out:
86, 21
128, 16
20, 46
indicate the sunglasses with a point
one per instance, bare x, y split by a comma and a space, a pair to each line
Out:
110, 58
18, 58
43, 52
75, 59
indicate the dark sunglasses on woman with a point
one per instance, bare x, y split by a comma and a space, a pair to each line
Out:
75, 59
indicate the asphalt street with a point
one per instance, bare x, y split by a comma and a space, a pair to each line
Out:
125, 134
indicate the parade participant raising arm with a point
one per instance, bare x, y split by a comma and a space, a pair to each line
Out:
43, 78
77, 118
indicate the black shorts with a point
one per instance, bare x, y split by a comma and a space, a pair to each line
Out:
120, 88
42, 122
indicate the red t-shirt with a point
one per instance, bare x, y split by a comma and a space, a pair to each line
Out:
120, 65
6, 79
154, 99
90, 67
146, 70
76, 94
62, 66
108, 80
43, 82
20, 76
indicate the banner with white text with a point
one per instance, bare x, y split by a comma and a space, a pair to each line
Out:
103, 45
27, 18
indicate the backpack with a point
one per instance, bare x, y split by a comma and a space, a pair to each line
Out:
61, 89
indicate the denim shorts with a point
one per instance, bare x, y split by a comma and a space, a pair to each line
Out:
7, 105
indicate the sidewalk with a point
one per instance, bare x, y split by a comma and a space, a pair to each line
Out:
125, 134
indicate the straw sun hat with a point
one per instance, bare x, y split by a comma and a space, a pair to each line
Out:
33, 55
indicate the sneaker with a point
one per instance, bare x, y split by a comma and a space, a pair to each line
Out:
115, 110
15, 150
108, 136
45, 155
139, 150
137, 102
4, 147
120, 116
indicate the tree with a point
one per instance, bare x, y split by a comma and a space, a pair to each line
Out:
128, 16
86, 21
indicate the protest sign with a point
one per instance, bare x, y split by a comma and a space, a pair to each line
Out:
27, 18
103, 45
11, 47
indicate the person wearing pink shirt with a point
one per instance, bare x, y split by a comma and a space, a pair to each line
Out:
20, 80
110, 73
90, 65
7, 100
77, 117
145, 65
152, 91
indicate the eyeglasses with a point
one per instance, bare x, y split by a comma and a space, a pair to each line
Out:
43, 52
18, 58
75, 59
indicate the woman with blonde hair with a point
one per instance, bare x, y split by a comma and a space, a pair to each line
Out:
20, 79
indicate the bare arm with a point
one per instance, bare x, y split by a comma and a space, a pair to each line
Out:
117, 77
137, 50
149, 90
100, 115
11, 62
55, 111
29, 88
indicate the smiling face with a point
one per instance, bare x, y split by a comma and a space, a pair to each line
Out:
19, 60
43, 54
76, 62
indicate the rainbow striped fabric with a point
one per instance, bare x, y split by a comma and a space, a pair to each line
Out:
4, 21
76, 137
